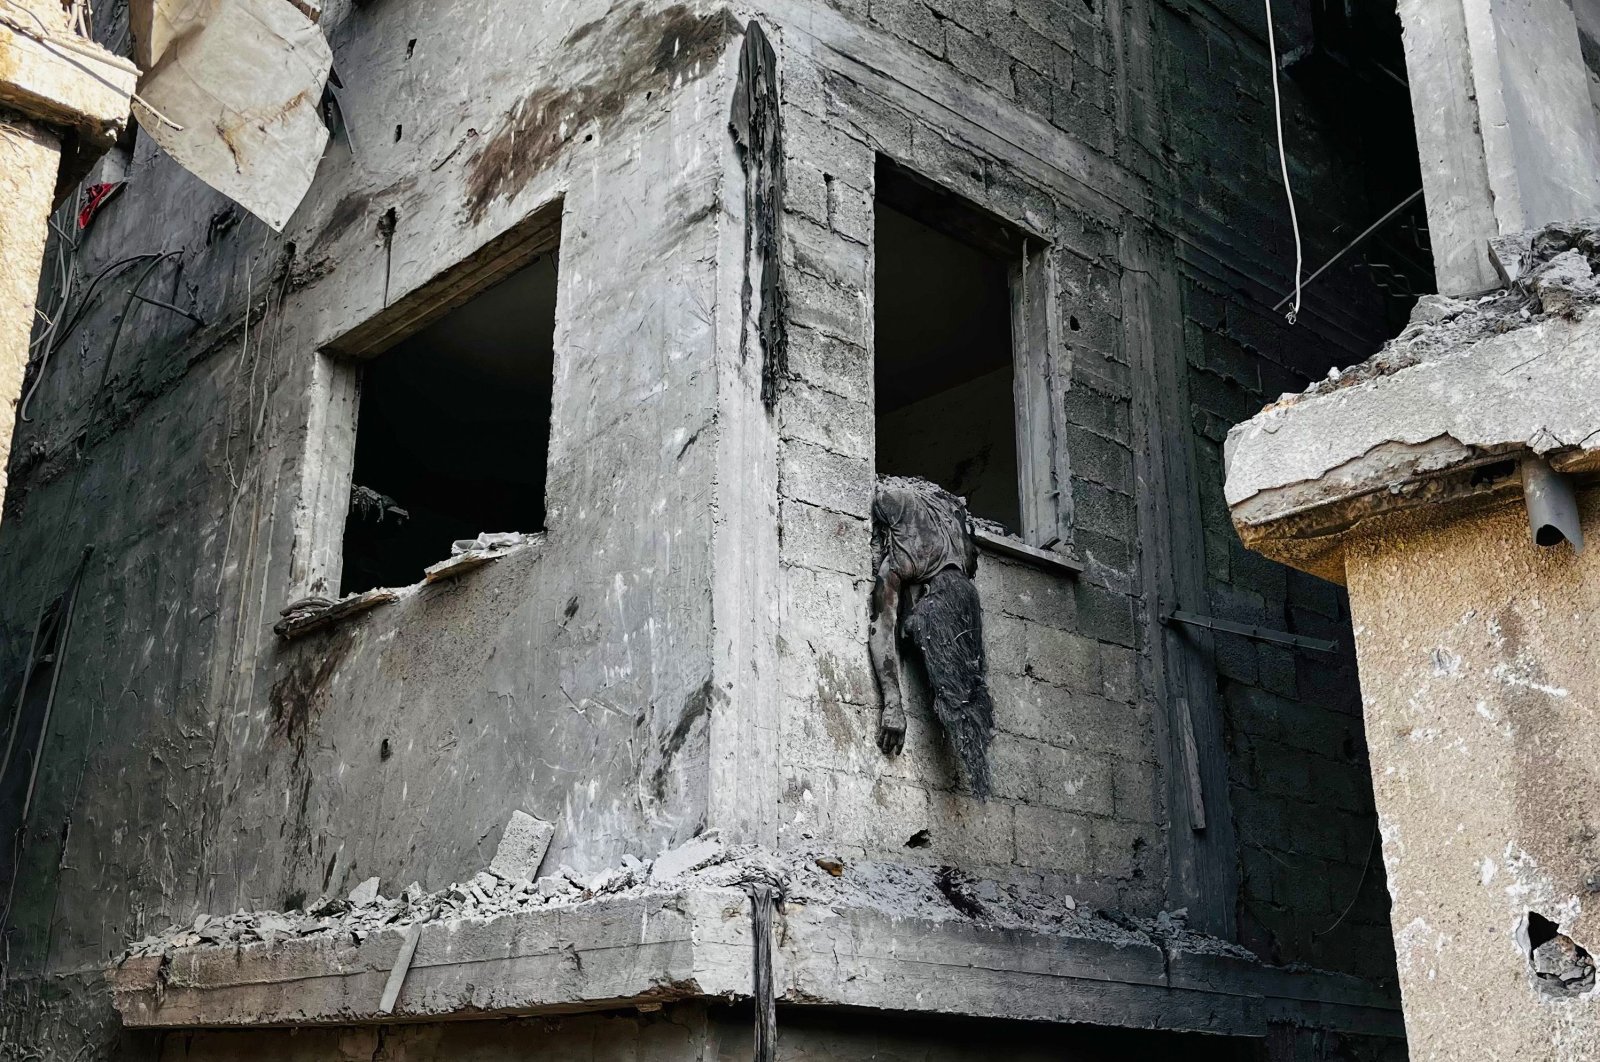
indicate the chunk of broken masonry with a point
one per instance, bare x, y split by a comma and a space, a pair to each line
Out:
365, 893
522, 847
687, 858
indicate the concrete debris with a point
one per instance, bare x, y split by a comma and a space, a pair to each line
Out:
801, 877
695, 855
364, 894
489, 540
314, 613
522, 847
469, 553
402, 966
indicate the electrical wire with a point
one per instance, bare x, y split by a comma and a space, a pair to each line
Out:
1283, 161
53, 345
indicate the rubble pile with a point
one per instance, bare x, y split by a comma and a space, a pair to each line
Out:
800, 878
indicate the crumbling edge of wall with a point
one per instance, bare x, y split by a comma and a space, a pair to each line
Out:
643, 951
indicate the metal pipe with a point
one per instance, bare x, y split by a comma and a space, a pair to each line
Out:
1552, 504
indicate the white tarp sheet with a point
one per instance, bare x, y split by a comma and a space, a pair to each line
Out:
244, 80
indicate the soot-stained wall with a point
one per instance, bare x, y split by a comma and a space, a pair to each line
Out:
197, 763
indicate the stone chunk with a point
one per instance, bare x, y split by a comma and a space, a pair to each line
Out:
1566, 284
522, 847
365, 893
687, 858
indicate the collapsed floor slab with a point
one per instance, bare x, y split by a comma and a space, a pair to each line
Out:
886, 937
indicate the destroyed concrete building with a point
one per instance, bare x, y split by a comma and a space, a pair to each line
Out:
528, 476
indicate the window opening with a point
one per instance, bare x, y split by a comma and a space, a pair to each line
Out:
453, 431
944, 363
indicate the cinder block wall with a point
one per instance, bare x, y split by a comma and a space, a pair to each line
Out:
1047, 130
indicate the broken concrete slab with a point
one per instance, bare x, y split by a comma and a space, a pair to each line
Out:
685, 859
304, 617
1438, 413
696, 942
522, 847
364, 894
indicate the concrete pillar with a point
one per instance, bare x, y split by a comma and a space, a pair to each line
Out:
28, 160
1479, 649
52, 84
1506, 129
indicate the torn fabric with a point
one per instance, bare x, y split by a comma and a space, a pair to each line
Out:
232, 90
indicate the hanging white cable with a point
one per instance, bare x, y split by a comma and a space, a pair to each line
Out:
1283, 161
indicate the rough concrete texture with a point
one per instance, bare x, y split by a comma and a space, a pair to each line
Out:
28, 158
686, 646
522, 847
1469, 383
1479, 675
876, 935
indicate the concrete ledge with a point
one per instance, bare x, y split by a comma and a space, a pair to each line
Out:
1444, 429
643, 951
62, 80
592, 956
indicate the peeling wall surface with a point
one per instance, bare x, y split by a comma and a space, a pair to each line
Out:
686, 646
1479, 676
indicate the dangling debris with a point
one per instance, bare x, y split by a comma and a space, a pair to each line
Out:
232, 91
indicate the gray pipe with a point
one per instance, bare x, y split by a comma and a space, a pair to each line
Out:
1552, 504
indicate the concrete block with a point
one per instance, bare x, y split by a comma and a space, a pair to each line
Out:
1105, 614
1062, 659
969, 832
687, 858
1099, 460
839, 425
814, 537
1119, 672
522, 847
822, 252
1053, 839
1026, 592
910, 20
832, 308
840, 366
840, 482
979, 59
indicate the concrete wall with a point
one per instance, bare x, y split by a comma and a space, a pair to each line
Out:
1479, 677
195, 763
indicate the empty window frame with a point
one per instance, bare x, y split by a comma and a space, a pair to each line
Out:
452, 423
964, 310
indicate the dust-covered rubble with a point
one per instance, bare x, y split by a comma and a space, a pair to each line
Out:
800, 878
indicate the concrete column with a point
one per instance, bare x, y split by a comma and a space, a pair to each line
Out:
1506, 129
28, 160
1479, 648
52, 83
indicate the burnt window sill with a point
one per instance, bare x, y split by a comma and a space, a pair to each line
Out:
311, 614
1015, 549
